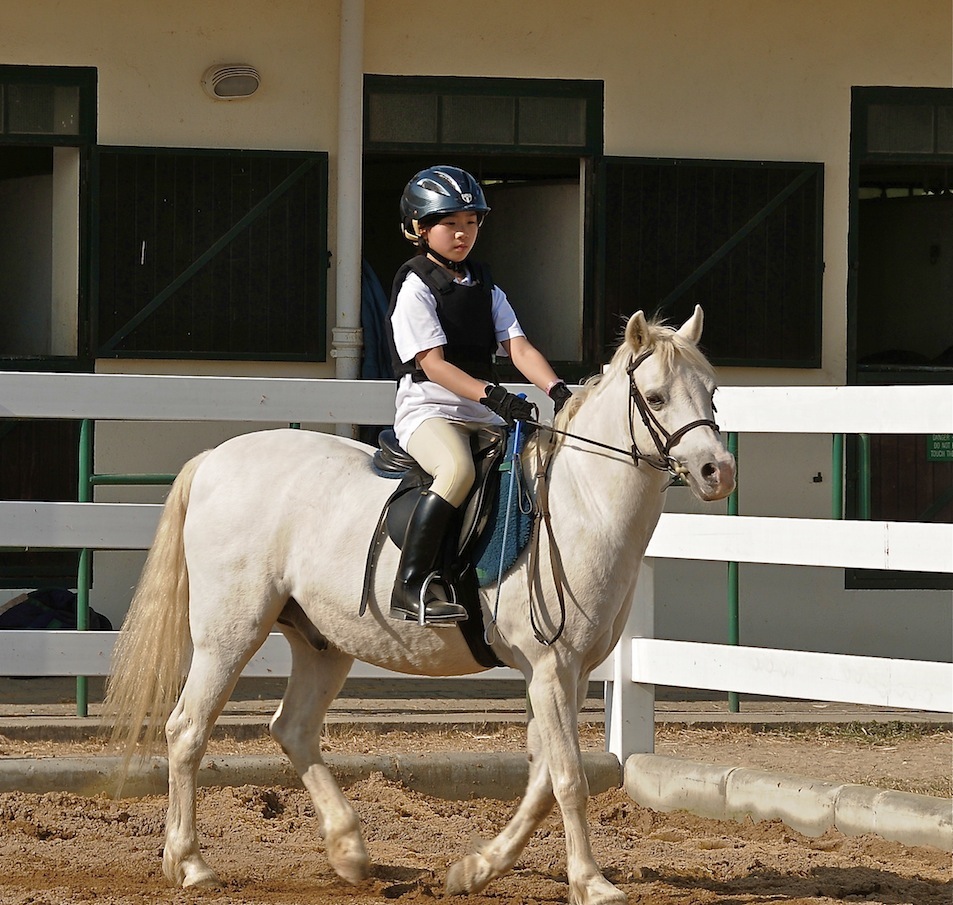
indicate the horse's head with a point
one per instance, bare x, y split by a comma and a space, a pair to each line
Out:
671, 388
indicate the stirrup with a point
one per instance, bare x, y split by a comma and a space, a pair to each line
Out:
422, 606
417, 610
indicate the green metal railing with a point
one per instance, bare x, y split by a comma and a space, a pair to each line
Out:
837, 472
88, 479
734, 593
863, 476
838, 498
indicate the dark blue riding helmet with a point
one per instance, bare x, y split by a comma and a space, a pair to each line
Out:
436, 192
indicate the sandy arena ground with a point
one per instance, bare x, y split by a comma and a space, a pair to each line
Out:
60, 849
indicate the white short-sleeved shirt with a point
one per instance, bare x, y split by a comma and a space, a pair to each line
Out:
417, 328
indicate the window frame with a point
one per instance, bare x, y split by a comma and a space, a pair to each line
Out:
862, 98
85, 78
591, 91
586, 154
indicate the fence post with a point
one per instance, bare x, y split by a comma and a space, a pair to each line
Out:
630, 706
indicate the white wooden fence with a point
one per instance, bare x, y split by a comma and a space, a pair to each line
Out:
640, 661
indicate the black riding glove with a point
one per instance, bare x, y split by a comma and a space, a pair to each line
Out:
560, 394
508, 406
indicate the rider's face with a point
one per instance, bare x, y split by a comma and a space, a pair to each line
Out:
454, 235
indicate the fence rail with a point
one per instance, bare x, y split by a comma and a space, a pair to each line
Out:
900, 546
640, 661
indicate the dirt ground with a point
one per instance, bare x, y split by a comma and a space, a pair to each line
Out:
60, 849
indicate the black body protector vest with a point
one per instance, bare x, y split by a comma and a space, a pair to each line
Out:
465, 313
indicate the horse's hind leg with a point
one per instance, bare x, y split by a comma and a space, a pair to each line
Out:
212, 676
316, 678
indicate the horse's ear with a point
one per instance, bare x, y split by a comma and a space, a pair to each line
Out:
637, 331
692, 328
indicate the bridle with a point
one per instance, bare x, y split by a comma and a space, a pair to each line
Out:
661, 437
666, 461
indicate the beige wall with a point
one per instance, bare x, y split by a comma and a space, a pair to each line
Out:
151, 57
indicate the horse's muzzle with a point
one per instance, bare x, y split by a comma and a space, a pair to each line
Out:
716, 479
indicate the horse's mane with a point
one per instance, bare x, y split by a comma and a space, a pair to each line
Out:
664, 342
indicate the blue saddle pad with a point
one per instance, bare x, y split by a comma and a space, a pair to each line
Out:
491, 545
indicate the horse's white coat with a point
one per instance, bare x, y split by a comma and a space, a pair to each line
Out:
285, 514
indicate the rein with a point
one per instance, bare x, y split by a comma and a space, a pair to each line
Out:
665, 461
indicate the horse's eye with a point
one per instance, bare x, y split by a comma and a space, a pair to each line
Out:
656, 400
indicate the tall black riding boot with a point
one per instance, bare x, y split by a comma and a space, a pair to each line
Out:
423, 543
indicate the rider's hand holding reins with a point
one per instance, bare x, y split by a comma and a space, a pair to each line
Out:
507, 405
560, 394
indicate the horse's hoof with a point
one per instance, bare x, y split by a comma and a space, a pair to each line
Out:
468, 875
349, 859
206, 880
597, 892
352, 870
190, 872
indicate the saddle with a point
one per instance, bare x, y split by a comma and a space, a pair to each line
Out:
470, 542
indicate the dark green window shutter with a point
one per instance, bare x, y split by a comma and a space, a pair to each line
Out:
210, 254
742, 239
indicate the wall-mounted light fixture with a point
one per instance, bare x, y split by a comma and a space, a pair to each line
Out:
231, 82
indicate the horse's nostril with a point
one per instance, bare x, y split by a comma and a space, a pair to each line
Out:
709, 471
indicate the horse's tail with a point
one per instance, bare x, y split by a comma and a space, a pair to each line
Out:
154, 644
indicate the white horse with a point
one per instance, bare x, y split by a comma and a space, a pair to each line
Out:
277, 523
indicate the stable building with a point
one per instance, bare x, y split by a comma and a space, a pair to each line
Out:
211, 189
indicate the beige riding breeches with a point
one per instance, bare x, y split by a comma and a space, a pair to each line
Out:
442, 448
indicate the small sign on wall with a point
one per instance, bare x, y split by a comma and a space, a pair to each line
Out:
940, 447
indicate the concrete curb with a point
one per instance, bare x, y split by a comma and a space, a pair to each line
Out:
655, 781
451, 776
810, 806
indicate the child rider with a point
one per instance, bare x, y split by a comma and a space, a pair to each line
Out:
445, 323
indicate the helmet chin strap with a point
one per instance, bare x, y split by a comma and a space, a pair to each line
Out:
455, 266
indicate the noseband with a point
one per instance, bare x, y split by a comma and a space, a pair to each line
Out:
665, 461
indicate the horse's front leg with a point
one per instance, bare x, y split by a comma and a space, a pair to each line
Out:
553, 692
492, 859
